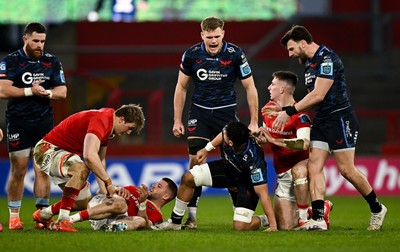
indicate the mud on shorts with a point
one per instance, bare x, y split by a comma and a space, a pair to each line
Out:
97, 224
54, 161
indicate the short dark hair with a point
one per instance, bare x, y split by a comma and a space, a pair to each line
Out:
34, 27
237, 132
132, 113
172, 186
287, 76
296, 34
211, 23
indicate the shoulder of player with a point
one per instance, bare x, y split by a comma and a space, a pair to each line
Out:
327, 54
12, 56
50, 56
193, 48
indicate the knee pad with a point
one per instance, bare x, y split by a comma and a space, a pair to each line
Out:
243, 214
196, 144
201, 175
300, 181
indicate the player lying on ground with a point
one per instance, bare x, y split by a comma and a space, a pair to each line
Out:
132, 209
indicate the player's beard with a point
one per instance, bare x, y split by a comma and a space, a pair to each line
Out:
33, 53
302, 58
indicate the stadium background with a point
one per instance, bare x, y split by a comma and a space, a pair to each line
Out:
109, 64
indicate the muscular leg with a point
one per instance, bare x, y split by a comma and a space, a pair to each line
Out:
345, 163
41, 188
108, 208
133, 222
317, 184
286, 214
184, 195
78, 173
194, 144
300, 189
15, 187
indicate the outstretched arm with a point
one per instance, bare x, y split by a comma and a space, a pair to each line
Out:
179, 103
252, 100
266, 203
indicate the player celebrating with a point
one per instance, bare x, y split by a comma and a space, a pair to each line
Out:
135, 207
243, 167
214, 65
290, 154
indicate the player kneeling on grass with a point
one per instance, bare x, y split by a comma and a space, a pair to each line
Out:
243, 167
132, 208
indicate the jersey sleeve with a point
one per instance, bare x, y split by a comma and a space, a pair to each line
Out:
244, 70
186, 64
326, 67
99, 125
58, 78
7, 69
302, 120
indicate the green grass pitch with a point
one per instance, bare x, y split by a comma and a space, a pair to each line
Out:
349, 220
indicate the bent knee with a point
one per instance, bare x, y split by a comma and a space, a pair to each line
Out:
120, 206
188, 179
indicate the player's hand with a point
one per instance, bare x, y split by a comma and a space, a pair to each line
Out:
271, 229
124, 193
253, 127
201, 155
261, 137
38, 90
266, 137
143, 191
110, 190
280, 121
1, 135
271, 109
178, 129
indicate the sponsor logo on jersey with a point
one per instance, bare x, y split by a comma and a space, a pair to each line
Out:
192, 122
2, 66
225, 63
62, 77
213, 75
256, 175
245, 69
326, 68
13, 137
47, 64
231, 49
29, 77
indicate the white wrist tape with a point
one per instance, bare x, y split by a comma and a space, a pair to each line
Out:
209, 147
142, 206
28, 91
50, 93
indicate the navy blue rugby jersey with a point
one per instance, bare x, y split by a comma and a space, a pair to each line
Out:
248, 164
326, 64
22, 70
214, 76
